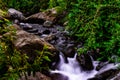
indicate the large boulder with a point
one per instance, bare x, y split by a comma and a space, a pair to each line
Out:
38, 76
28, 43
58, 76
48, 16
85, 61
15, 14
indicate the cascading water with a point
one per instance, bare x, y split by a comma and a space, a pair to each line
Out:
72, 69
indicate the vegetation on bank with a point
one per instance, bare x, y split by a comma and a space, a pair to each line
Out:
13, 64
95, 23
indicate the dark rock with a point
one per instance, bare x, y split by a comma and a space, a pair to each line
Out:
85, 61
69, 50
49, 37
15, 14
104, 75
34, 20
58, 76
38, 33
100, 65
95, 54
116, 77
46, 32
55, 61
33, 30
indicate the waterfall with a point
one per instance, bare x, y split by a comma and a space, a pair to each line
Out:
73, 70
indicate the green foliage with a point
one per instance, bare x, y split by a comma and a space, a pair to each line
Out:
42, 60
63, 4
12, 62
26, 6
10, 58
97, 25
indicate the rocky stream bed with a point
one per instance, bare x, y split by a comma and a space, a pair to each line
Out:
41, 29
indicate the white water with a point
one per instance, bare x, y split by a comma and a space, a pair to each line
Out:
73, 71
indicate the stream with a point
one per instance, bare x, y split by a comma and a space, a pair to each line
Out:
68, 67
73, 71
66, 64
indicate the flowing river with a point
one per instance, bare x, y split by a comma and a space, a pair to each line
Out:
72, 69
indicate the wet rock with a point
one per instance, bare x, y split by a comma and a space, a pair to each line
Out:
48, 15
33, 30
85, 61
69, 50
38, 76
115, 77
47, 24
100, 65
104, 75
95, 54
58, 76
55, 59
49, 37
46, 31
26, 26
15, 14
29, 43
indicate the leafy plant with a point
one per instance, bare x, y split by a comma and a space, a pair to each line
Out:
26, 6
42, 60
12, 62
96, 24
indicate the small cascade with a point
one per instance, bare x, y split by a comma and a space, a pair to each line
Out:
73, 70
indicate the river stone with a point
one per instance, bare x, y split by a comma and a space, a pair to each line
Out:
47, 24
100, 65
116, 76
26, 26
69, 50
32, 30
38, 76
104, 75
49, 37
58, 76
29, 43
15, 14
85, 61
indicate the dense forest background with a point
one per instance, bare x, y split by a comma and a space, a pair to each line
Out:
95, 23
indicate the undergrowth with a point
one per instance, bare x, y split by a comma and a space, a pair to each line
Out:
96, 24
14, 64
